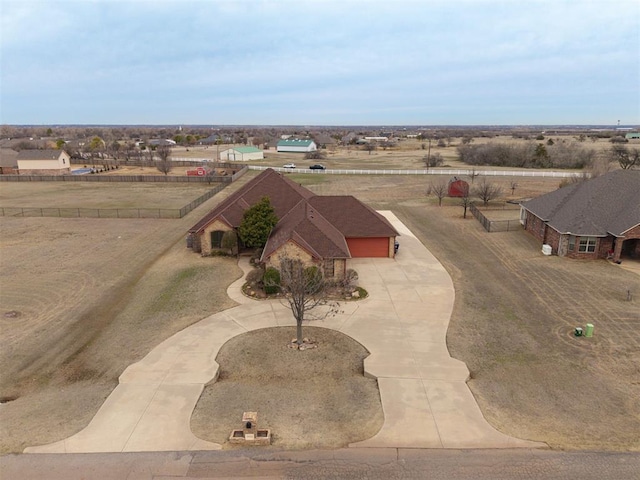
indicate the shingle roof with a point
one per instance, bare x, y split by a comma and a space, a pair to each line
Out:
38, 154
283, 193
318, 224
8, 158
609, 204
352, 217
309, 229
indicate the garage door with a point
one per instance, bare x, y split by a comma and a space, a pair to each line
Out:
368, 247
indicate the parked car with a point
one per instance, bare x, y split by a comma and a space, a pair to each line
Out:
317, 166
289, 165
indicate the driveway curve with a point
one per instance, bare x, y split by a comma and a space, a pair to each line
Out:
403, 323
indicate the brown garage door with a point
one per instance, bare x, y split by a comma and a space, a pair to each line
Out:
368, 247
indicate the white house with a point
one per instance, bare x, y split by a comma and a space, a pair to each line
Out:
296, 145
241, 154
43, 162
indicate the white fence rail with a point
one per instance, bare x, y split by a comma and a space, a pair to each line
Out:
449, 172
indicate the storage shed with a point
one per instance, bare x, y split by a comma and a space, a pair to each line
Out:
458, 188
241, 154
296, 145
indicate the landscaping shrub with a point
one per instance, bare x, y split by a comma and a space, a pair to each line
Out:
271, 280
350, 278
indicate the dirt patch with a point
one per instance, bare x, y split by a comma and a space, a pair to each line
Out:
316, 398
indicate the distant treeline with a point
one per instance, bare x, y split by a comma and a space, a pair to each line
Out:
528, 155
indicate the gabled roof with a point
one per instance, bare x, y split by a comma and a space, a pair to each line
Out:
308, 228
319, 224
295, 142
282, 192
39, 154
245, 149
352, 217
609, 204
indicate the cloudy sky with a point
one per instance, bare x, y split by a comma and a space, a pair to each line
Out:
304, 62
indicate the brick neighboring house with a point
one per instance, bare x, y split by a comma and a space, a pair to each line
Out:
598, 218
320, 230
43, 162
8, 162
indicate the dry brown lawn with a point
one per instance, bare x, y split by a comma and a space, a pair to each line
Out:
92, 296
99, 195
318, 398
81, 299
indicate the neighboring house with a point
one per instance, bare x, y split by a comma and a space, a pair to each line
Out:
8, 162
323, 140
43, 162
241, 154
161, 142
598, 218
296, 145
320, 230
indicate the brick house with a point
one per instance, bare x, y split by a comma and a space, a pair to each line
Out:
597, 218
320, 230
43, 162
8, 162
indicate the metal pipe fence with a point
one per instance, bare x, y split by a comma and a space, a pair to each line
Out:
494, 225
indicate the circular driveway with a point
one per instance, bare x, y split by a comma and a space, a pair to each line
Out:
403, 323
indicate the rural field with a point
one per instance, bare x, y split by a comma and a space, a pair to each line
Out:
108, 290
99, 195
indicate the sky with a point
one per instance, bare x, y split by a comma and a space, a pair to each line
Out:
306, 62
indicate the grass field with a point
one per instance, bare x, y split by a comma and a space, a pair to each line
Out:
99, 195
87, 297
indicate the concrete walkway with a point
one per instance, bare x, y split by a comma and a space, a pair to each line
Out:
403, 323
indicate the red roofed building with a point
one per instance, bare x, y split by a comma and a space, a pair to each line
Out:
320, 230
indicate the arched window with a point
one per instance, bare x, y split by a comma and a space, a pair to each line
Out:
216, 239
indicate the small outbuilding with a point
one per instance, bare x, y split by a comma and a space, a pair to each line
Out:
458, 188
296, 145
43, 162
241, 154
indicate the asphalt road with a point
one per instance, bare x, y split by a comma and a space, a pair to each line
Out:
351, 463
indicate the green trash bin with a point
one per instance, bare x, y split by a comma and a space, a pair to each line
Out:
589, 330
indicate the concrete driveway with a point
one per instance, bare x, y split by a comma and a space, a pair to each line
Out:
403, 323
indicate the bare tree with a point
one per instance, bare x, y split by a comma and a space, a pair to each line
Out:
465, 202
625, 157
486, 191
303, 290
439, 190
164, 163
513, 185
370, 147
